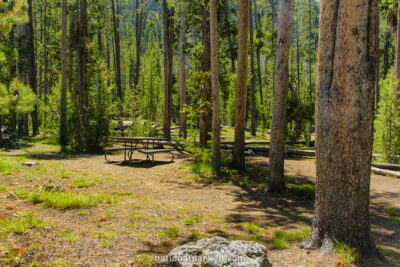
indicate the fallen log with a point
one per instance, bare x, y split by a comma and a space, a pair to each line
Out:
259, 142
385, 172
288, 152
387, 166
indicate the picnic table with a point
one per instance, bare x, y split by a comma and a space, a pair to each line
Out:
145, 145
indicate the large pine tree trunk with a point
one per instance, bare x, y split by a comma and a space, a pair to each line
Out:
182, 77
253, 77
167, 71
63, 93
276, 182
238, 160
32, 68
205, 113
216, 127
344, 115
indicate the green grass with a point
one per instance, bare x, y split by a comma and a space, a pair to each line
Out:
107, 244
105, 235
201, 168
395, 218
191, 220
305, 190
397, 230
346, 253
394, 212
143, 259
82, 183
69, 200
253, 228
172, 231
20, 225
3, 188
387, 252
6, 168
282, 237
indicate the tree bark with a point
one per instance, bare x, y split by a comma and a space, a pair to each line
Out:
276, 182
216, 127
82, 69
168, 57
182, 77
259, 59
139, 31
63, 94
253, 77
205, 112
388, 41
344, 116
117, 55
32, 68
397, 63
310, 98
238, 160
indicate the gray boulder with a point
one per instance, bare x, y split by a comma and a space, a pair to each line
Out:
218, 251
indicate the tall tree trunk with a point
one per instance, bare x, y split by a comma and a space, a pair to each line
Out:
205, 112
139, 30
344, 111
32, 68
82, 69
259, 59
117, 55
253, 76
397, 63
310, 98
273, 50
63, 94
182, 77
388, 41
45, 67
276, 182
216, 127
232, 52
167, 91
238, 160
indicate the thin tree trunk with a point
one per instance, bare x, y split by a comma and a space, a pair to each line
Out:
276, 182
32, 68
139, 30
45, 71
232, 52
182, 77
253, 76
238, 160
205, 113
63, 94
344, 111
310, 98
117, 56
259, 59
273, 50
216, 127
388, 37
397, 63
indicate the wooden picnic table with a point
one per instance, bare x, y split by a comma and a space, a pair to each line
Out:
130, 144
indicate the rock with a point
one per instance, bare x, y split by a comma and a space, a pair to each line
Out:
327, 248
30, 163
218, 251
249, 153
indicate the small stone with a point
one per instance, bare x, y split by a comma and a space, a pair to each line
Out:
30, 163
327, 247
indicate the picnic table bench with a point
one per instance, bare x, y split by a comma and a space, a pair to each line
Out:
150, 153
145, 145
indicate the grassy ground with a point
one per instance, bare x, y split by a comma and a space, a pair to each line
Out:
76, 209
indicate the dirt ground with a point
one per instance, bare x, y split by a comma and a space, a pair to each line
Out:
150, 199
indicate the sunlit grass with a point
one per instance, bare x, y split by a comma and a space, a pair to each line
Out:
69, 200
282, 237
346, 253
21, 224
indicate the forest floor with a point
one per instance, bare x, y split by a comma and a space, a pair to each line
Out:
123, 214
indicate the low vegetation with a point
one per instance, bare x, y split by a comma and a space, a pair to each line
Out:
282, 237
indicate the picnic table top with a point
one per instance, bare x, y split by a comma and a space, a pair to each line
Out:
139, 139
